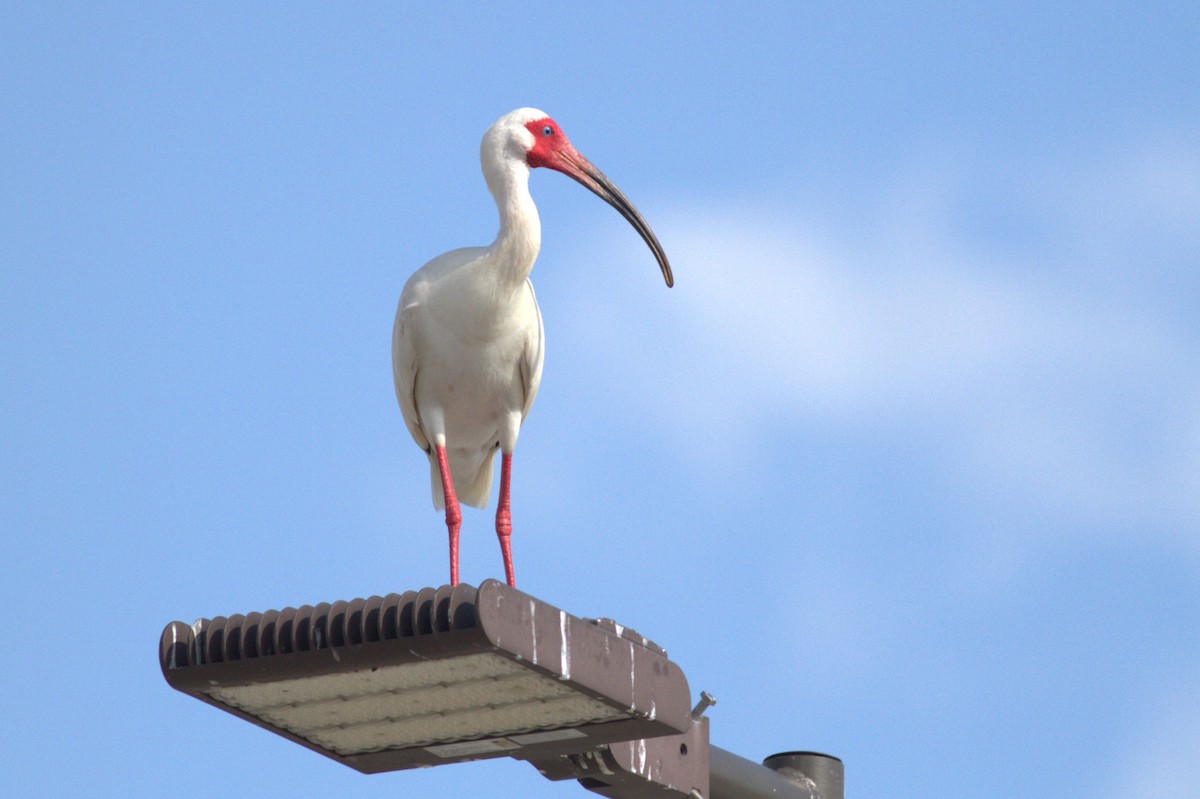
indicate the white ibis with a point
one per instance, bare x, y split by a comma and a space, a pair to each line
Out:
467, 345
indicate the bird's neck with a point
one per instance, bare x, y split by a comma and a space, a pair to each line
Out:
520, 237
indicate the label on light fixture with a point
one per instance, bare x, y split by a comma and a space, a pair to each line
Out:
547, 736
467, 748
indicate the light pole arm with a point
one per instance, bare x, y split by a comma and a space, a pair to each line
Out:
734, 777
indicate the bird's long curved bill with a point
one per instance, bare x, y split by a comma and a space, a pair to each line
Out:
576, 166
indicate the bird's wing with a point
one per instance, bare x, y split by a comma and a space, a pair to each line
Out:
532, 357
404, 368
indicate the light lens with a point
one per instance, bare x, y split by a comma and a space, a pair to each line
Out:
417, 704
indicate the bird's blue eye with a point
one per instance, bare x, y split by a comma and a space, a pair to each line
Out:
547, 131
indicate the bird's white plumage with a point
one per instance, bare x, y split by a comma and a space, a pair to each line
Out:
468, 344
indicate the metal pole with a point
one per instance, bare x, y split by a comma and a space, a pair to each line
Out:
734, 777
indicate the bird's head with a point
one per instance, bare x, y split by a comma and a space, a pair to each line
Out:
532, 136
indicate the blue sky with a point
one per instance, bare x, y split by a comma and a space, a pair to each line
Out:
906, 467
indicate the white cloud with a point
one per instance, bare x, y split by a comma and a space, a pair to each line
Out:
1151, 189
1037, 386
1161, 760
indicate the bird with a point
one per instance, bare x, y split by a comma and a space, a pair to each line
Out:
468, 341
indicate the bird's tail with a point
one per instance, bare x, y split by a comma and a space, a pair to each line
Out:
471, 472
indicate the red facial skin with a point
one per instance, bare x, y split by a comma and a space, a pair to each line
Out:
546, 149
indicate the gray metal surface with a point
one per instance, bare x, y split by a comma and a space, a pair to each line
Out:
824, 772
734, 777
668, 767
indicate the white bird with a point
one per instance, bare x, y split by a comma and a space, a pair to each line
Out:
467, 345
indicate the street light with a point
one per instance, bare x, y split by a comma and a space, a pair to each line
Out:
431, 677
460, 673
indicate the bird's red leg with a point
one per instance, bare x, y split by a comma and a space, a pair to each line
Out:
453, 513
504, 517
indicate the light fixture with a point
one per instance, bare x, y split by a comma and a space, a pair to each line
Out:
432, 676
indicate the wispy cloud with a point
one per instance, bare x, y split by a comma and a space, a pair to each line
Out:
1034, 383
1160, 760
